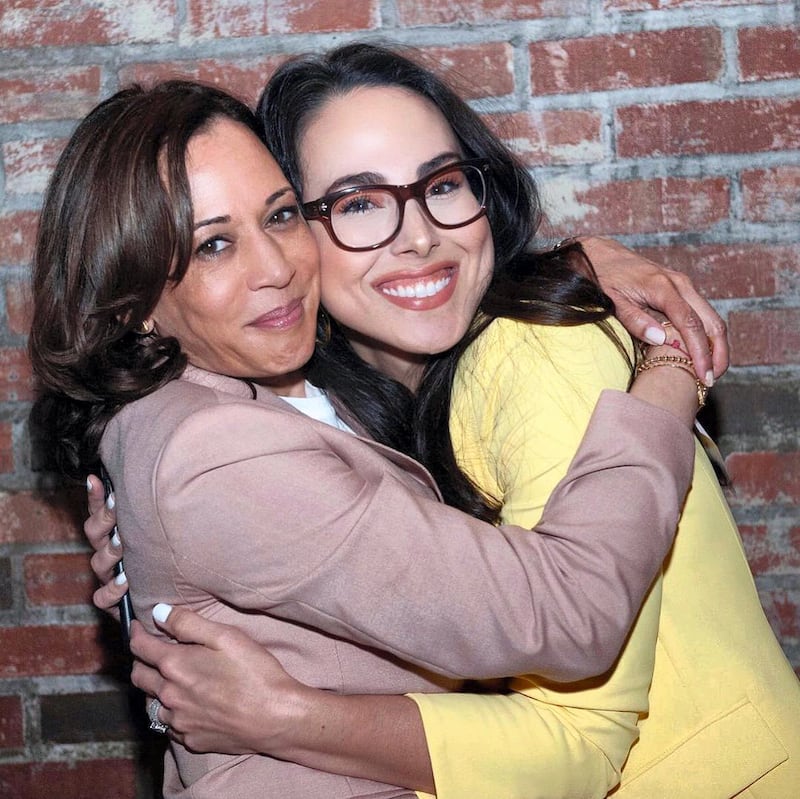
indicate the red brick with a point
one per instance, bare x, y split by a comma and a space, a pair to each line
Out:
59, 579
6, 448
16, 376
783, 611
29, 163
226, 19
324, 15
772, 195
635, 206
728, 271
54, 22
38, 518
723, 126
82, 779
626, 60
769, 554
245, 78
18, 234
11, 724
760, 477
18, 307
643, 5
567, 136
768, 336
62, 93
769, 53
435, 12
479, 70
53, 650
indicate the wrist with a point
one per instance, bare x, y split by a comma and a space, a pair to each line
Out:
302, 716
679, 362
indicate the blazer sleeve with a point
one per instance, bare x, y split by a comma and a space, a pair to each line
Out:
517, 426
261, 511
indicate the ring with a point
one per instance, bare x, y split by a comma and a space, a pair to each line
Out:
156, 725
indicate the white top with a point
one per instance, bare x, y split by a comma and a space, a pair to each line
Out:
317, 405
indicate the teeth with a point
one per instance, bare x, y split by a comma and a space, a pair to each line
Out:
418, 290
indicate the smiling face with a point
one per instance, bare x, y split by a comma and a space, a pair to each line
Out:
247, 305
416, 295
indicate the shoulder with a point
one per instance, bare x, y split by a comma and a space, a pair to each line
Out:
509, 350
169, 406
197, 420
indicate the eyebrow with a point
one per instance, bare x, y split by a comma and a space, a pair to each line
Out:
376, 178
216, 220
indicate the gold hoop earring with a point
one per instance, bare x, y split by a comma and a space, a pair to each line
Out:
146, 327
323, 327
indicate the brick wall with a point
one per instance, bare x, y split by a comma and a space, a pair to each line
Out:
672, 124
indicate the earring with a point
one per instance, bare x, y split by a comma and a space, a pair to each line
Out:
323, 327
146, 327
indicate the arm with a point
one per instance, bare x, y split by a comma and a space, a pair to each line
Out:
636, 285
560, 602
222, 692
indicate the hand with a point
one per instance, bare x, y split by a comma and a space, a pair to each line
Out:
108, 549
220, 690
637, 285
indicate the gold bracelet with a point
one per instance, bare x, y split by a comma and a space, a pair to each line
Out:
676, 362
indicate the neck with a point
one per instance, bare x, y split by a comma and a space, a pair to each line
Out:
405, 367
291, 385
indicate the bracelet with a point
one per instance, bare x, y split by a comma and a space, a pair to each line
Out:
676, 362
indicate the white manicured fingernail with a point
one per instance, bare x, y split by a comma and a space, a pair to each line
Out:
709, 381
121, 578
655, 335
88, 484
161, 612
110, 502
116, 541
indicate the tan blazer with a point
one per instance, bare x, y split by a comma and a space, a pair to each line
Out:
309, 538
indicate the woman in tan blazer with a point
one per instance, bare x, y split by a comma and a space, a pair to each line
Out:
175, 289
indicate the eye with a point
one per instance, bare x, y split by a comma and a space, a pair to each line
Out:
360, 203
284, 216
445, 184
212, 247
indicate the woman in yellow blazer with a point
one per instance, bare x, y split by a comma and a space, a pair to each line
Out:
520, 404
724, 715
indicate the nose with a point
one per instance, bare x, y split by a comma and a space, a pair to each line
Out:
269, 265
418, 235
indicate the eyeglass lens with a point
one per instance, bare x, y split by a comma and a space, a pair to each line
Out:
370, 216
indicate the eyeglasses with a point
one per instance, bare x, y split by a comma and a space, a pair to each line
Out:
367, 217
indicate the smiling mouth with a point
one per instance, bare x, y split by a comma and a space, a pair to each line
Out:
418, 289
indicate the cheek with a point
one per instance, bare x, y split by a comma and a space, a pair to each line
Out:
341, 276
483, 265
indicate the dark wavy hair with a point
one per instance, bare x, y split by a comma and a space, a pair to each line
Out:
116, 225
548, 287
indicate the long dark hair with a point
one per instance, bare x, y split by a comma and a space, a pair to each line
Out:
548, 287
116, 225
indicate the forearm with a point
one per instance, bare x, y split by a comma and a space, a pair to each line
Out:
373, 737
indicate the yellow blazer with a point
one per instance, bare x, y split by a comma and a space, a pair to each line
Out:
724, 705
